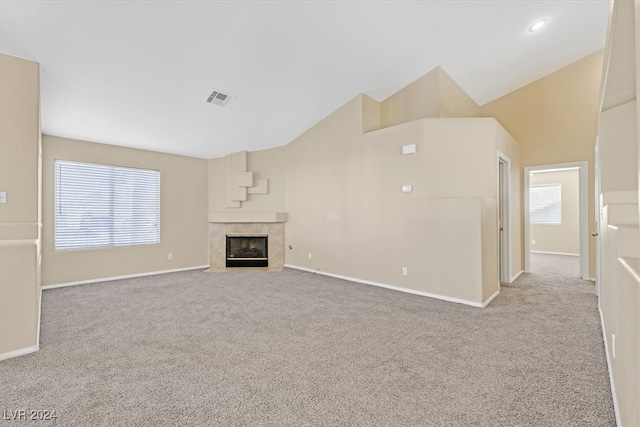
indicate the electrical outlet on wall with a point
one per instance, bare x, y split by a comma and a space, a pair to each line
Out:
405, 271
533, 242
170, 256
309, 255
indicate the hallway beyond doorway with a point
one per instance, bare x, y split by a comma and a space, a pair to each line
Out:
558, 265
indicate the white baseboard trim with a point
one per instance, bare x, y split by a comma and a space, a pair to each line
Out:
614, 396
395, 288
518, 274
554, 253
128, 276
491, 298
20, 352
39, 316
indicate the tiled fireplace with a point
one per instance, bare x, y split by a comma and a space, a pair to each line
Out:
251, 227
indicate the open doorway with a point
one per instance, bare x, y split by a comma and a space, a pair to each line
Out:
556, 220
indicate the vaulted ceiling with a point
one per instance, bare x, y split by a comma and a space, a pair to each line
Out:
138, 74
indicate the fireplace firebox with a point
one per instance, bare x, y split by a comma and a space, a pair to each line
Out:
247, 251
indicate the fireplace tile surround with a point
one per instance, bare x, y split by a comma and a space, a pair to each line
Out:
249, 224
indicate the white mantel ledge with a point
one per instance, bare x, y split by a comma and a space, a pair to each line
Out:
243, 217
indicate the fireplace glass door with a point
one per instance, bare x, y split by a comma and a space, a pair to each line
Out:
247, 251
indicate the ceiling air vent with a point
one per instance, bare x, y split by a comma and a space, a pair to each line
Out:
219, 98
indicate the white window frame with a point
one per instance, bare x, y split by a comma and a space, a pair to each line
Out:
116, 226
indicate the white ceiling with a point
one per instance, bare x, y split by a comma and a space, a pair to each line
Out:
138, 74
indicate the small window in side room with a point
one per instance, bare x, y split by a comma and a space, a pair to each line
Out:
545, 204
101, 206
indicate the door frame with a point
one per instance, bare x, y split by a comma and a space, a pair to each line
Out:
504, 238
598, 214
583, 173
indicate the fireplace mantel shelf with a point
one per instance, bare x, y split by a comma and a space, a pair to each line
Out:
247, 217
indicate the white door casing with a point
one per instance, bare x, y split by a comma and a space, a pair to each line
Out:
504, 218
584, 216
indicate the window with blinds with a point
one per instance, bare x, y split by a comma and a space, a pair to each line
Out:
100, 206
545, 203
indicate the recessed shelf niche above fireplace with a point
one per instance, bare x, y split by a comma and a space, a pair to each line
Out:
247, 251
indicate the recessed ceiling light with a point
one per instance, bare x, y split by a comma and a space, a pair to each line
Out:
538, 25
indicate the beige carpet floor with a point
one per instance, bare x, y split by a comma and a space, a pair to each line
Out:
558, 265
297, 349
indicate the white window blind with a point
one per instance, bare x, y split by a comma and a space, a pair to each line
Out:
545, 203
104, 206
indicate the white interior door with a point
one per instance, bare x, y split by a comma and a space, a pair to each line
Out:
504, 247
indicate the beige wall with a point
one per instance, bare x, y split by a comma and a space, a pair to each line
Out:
565, 237
418, 100
618, 157
435, 94
346, 208
454, 101
20, 139
20, 216
555, 121
265, 164
371, 114
183, 215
